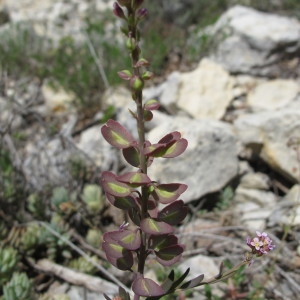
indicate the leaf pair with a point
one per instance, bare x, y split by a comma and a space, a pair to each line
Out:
118, 247
170, 146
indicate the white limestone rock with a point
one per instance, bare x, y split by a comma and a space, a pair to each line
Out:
252, 42
268, 133
209, 162
273, 94
206, 92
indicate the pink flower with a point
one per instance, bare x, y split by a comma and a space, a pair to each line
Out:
261, 244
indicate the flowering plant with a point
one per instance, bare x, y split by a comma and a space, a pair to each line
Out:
261, 244
151, 232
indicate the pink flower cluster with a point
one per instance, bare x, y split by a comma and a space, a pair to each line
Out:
261, 244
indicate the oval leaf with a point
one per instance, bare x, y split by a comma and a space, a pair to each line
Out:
176, 149
146, 287
122, 263
117, 135
134, 178
170, 138
174, 213
167, 263
131, 155
170, 252
151, 226
113, 187
158, 242
166, 193
130, 240
126, 202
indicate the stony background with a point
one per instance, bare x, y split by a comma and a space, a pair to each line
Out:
239, 108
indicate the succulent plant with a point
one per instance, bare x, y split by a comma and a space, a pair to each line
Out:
35, 206
93, 237
30, 238
63, 201
92, 196
18, 288
55, 246
82, 265
8, 261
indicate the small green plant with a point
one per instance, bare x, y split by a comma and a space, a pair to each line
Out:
93, 198
152, 229
225, 198
8, 261
18, 288
82, 265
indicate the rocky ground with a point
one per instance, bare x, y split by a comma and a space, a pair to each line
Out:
239, 108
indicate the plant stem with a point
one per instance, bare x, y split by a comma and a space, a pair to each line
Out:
138, 98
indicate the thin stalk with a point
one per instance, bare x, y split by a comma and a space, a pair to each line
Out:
138, 98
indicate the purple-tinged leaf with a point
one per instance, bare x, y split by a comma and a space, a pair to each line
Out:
146, 287
134, 179
167, 263
153, 213
147, 75
115, 253
130, 240
166, 193
158, 242
142, 62
151, 226
113, 187
170, 138
152, 204
125, 74
113, 249
176, 149
169, 146
122, 263
126, 202
117, 135
170, 252
151, 104
174, 213
134, 216
154, 150
170, 150
131, 155
148, 115
193, 283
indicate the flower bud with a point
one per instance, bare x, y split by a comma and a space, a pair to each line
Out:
125, 74
151, 104
142, 13
118, 11
130, 44
147, 75
148, 115
142, 62
136, 83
